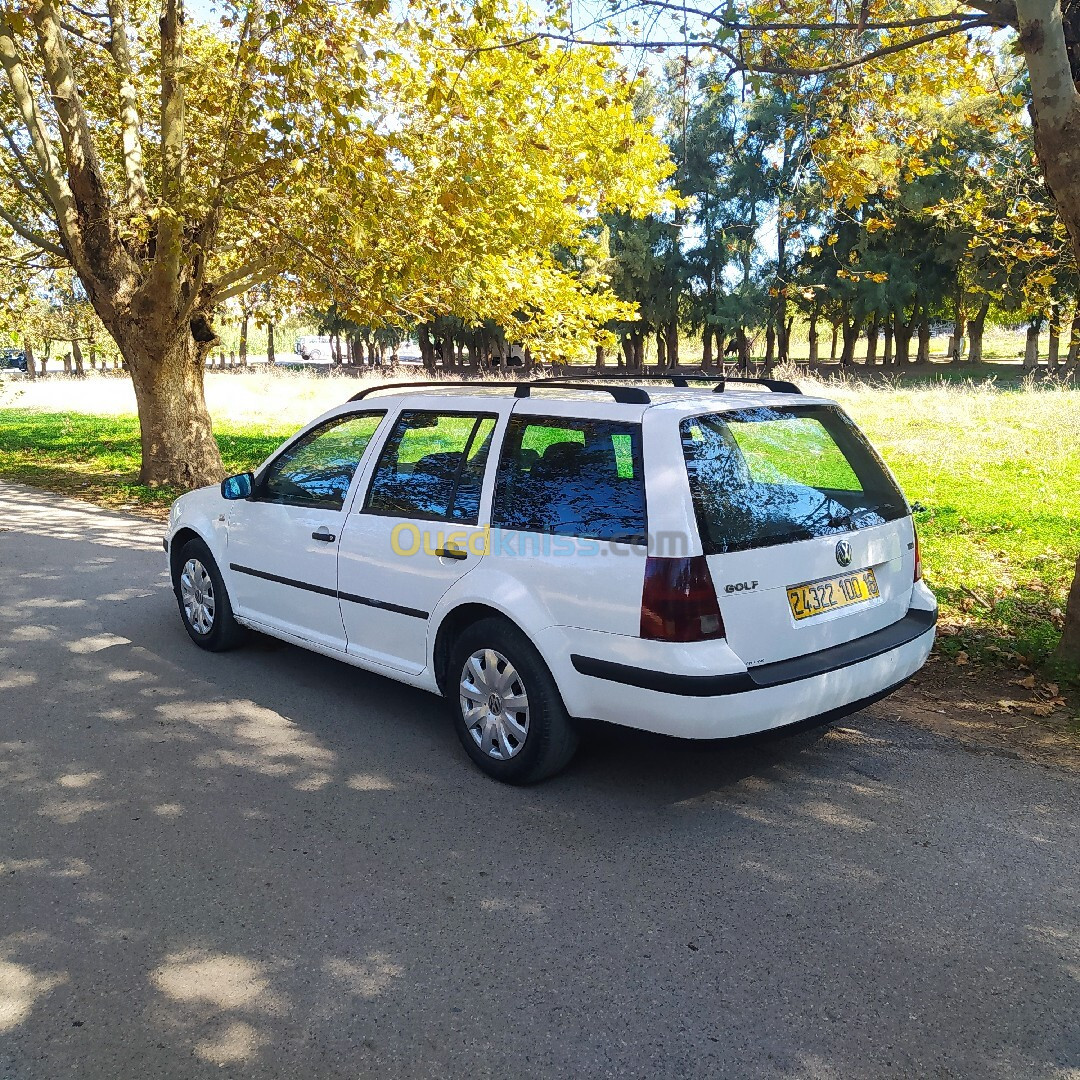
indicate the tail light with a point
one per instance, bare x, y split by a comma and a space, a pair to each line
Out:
678, 601
918, 555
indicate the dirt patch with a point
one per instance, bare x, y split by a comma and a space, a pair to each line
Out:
1012, 713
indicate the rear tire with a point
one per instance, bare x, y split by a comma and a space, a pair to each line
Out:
203, 600
507, 710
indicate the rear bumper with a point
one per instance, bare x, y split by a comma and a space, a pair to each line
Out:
823, 685
916, 623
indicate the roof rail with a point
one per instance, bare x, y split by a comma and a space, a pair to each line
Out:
777, 386
681, 380
625, 395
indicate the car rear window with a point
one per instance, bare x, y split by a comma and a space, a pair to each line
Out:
766, 476
571, 477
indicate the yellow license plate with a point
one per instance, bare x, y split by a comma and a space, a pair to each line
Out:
816, 597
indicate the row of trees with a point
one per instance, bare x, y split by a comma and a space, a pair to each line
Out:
965, 234
764, 236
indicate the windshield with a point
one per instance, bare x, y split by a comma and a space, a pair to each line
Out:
768, 476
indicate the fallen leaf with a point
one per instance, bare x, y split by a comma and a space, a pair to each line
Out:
1028, 682
1041, 708
961, 657
1052, 689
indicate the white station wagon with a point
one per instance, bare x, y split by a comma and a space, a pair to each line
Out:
701, 563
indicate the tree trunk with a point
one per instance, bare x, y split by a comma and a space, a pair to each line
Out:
813, 339
832, 350
178, 444
923, 354
1031, 347
783, 330
956, 340
31, 370
243, 340
902, 339
672, 334
770, 346
706, 347
1068, 650
427, 347
271, 355
1074, 339
975, 333
1053, 348
887, 356
743, 343
67, 363
661, 350
851, 337
872, 330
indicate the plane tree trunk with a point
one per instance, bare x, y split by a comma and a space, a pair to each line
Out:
178, 446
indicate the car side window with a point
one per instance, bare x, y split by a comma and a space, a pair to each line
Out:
572, 478
318, 468
432, 466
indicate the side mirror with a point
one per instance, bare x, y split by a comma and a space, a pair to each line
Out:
238, 486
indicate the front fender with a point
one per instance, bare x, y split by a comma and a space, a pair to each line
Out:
201, 512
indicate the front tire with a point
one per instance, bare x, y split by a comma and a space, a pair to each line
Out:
204, 601
507, 709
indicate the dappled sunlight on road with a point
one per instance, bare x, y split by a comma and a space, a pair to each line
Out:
366, 978
260, 739
18, 680
365, 782
96, 642
227, 982
20, 988
42, 514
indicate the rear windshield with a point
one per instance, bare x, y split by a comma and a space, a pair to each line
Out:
776, 475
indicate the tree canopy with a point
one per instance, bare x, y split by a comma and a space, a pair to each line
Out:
399, 167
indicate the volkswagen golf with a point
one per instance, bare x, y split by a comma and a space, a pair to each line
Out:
704, 562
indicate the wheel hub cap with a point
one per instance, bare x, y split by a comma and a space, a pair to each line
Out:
494, 704
197, 597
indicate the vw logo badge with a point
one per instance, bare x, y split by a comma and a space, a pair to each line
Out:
843, 553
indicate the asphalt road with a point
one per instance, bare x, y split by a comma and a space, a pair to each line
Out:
268, 864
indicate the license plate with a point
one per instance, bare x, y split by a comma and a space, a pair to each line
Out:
816, 597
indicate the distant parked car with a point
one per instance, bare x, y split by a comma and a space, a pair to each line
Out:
314, 350
13, 359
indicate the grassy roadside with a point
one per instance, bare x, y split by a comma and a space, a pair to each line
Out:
997, 470
97, 457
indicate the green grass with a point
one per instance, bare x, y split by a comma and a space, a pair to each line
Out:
997, 470
97, 457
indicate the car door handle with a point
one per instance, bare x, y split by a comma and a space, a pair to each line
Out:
324, 535
451, 553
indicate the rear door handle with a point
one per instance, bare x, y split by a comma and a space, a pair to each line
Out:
324, 535
451, 553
